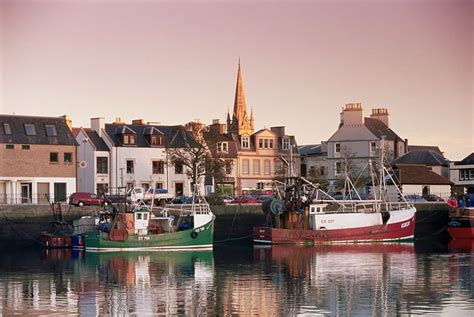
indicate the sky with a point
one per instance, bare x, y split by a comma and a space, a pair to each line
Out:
176, 61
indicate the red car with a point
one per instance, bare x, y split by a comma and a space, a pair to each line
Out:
87, 199
245, 200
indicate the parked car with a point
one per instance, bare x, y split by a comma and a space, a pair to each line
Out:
262, 198
116, 198
87, 199
137, 194
432, 197
415, 198
245, 200
227, 199
182, 200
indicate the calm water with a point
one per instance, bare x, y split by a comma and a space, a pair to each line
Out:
346, 280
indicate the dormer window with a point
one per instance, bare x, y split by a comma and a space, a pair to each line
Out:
264, 143
50, 130
285, 144
223, 147
156, 140
373, 146
245, 142
30, 129
154, 136
127, 135
128, 139
6, 128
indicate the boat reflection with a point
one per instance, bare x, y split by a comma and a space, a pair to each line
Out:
365, 279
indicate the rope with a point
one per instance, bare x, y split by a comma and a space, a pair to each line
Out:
233, 239
233, 221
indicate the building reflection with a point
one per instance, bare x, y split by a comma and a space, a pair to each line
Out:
360, 279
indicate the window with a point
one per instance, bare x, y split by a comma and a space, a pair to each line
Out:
285, 144
222, 147
54, 157
130, 167
265, 143
373, 146
266, 167
245, 167
337, 147
466, 174
256, 167
139, 216
67, 157
128, 139
50, 130
228, 167
158, 167
6, 128
130, 185
145, 187
102, 165
30, 129
337, 168
322, 170
10, 146
159, 185
25, 147
245, 142
156, 140
178, 168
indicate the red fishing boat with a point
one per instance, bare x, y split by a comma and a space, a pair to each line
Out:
302, 213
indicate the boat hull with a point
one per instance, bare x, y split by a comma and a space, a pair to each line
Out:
402, 229
197, 238
461, 227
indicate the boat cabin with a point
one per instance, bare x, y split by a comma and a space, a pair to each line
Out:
314, 210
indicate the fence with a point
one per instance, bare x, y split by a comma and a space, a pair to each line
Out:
35, 198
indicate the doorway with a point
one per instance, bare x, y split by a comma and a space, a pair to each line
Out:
43, 193
59, 192
25, 193
178, 189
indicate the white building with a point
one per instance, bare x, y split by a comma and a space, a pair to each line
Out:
361, 138
93, 173
139, 156
462, 174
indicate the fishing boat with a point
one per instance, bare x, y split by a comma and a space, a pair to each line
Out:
59, 232
172, 227
303, 213
461, 221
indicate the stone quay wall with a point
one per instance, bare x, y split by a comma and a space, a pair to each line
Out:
233, 225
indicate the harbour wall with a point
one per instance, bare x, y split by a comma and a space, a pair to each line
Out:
24, 223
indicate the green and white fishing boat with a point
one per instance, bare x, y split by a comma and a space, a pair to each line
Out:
174, 227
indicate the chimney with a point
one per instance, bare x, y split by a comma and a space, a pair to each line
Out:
223, 128
352, 114
98, 124
215, 121
118, 120
280, 131
138, 121
68, 121
380, 114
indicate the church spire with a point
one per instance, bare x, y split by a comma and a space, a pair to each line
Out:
252, 120
240, 118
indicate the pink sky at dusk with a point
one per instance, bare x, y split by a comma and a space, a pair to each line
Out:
176, 61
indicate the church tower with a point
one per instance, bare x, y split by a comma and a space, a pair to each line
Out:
241, 123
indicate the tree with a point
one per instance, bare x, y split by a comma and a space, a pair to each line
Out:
194, 154
353, 171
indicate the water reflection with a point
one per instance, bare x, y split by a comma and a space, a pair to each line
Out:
356, 280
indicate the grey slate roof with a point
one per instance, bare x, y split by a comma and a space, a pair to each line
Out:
18, 136
379, 129
467, 160
425, 147
310, 149
175, 136
423, 157
98, 142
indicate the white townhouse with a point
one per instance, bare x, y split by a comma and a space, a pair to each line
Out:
461, 174
93, 172
361, 138
139, 156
